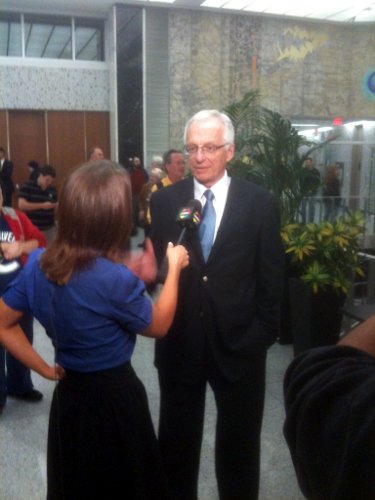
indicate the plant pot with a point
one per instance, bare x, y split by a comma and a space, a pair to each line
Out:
315, 318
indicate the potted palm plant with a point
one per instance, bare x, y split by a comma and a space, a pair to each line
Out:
323, 262
271, 153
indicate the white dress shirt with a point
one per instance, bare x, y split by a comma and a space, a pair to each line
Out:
220, 191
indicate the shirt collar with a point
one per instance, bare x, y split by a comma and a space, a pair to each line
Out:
220, 188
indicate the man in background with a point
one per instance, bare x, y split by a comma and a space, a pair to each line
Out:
227, 314
95, 153
6, 172
38, 199
174, 166
310, 185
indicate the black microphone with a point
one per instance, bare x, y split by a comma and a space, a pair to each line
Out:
188, 217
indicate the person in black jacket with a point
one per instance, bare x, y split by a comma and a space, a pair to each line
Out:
227, 314
6, 172
330, 417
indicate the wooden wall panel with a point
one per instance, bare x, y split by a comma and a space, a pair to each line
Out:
61, 138
27, 137
3, 130
66, 141
97, 131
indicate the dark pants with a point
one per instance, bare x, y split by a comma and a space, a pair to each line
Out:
16, 378
237, 449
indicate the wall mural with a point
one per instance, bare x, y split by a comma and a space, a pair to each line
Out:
302, 43
302, 69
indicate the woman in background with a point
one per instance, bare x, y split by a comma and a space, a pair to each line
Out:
101, 441
156, 175
138, 178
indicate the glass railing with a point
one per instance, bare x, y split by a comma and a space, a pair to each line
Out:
318, 208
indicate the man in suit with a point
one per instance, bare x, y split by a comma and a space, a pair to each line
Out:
6, 171
227, 315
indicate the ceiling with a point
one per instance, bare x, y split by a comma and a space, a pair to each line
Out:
344, 11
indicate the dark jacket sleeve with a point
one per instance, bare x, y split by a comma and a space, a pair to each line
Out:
330, 422
7, 170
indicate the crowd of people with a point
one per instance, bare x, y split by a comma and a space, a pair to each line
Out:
214, 317
23, 229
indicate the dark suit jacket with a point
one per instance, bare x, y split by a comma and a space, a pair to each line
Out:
232, 301
7, 182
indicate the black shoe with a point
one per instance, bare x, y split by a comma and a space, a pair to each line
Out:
34, 396
1, 409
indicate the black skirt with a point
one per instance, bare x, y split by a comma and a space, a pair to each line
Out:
101, 440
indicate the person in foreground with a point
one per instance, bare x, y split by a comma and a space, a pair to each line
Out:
330, 417
101, 442
227, 315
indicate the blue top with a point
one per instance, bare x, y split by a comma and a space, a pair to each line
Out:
92, 320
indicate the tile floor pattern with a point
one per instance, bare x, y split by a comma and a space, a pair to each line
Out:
23, 430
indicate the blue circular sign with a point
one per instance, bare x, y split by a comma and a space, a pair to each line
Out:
371, 82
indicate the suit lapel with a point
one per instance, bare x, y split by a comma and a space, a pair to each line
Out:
232, 210
193, 235
183, 195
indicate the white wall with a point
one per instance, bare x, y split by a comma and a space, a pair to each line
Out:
61, 85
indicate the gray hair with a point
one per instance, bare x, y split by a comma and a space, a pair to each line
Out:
157, 172
206, 115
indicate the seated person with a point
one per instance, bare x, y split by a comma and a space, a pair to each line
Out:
38, 199
330, 417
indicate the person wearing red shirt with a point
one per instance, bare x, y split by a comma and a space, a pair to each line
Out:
18, 237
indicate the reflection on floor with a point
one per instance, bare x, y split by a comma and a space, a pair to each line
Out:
23, 430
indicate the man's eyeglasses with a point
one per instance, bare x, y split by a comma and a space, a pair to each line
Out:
208, 150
